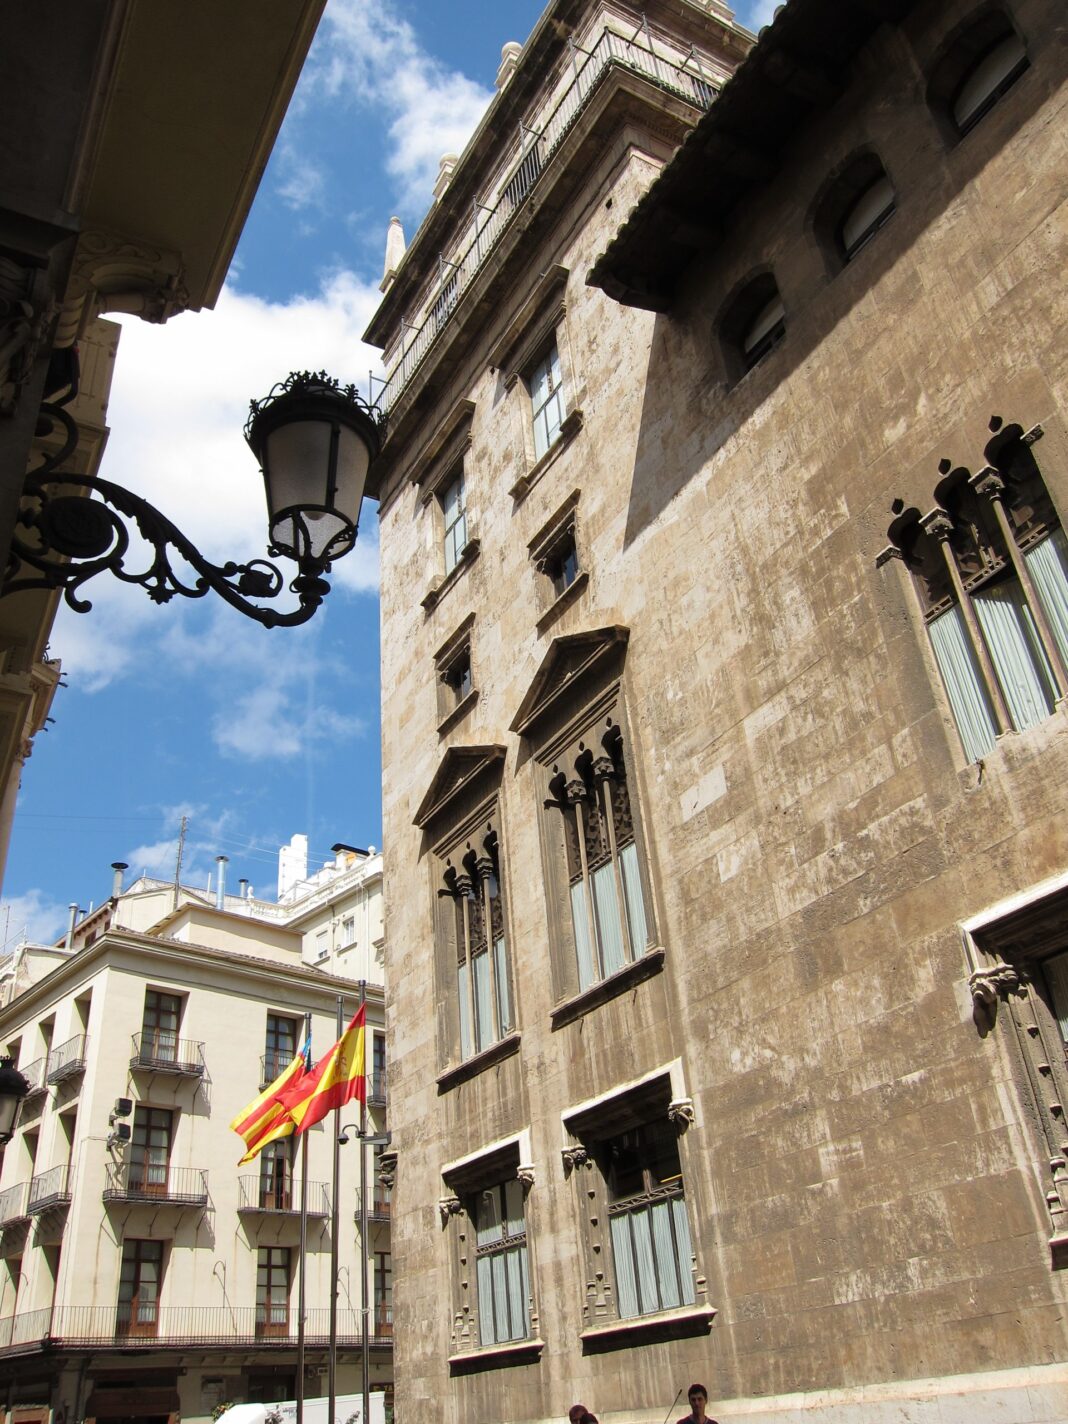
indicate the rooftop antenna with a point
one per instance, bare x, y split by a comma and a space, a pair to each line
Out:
178, 861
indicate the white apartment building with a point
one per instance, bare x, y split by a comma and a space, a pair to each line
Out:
143, 1274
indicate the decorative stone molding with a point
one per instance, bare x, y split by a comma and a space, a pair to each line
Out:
681, 1113
449, 1206
111, 273
25, 312
574, 1157
990, 984
387, 1169
524, 1174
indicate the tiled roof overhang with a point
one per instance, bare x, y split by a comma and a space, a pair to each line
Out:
798, 68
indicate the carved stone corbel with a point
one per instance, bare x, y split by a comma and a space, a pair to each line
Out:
387, 1169
524, 1174
681, 1113
990, 984
574, 1157
449, 1206
112, 273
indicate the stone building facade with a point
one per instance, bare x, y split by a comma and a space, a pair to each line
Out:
724, 613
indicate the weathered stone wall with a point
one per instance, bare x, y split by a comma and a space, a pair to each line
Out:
866, 1201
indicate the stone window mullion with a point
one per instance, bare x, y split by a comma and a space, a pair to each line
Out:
939, 524
577, 795
604, 774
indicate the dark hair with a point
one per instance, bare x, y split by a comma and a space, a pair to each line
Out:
696, 1389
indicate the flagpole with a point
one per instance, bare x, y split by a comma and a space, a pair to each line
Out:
335, 1226
365, 1342
301, 1273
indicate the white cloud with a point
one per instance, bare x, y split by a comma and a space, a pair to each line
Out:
367, 55
32, 917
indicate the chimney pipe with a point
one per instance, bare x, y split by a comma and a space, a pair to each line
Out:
73, 908
220, 890
242, 888
118, 866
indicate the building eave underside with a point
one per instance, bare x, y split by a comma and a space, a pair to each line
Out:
797, 70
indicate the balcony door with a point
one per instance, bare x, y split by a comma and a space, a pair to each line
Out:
150, 1151
159, 1028
139, 1283
276, 1176
272, 1291
280, 1047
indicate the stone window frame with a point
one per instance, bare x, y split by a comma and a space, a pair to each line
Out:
453, 704
980, 542
585, 1127
842, 190
540, 321
463, 801
959, 56
560, 529
586, 710
1005, 949
434, 471
506, 1159
747, 302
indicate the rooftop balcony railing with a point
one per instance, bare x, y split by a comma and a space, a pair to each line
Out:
67, 1060
49, 1189
487, 225
157, 1184
160, 1051
281, 1197
13, 1204
146, 1324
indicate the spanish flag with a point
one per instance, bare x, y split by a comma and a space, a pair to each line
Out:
266, 1117
338, 1077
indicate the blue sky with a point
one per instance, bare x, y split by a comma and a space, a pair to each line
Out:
190, 708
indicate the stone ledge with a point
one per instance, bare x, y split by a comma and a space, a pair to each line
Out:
643, 1329
471, 1067
650, 963
496, 1357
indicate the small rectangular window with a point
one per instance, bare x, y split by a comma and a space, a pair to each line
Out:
140, 1278
159, 1026
545, 384
502, 1279
454, 521
272, 1290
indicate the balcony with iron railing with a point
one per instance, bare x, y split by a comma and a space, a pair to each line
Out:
160, 1051
13, 1204
281, 1198
274, 1062
682, 76
379, 1204
67, 1060
376, 1089
146, 1324
156, 1184
34, 1073
48, 1190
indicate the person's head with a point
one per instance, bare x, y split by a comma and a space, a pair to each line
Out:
577, 1413
697, 1395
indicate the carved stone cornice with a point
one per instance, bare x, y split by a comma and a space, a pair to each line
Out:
113, 273
988, 482
938, 523
449, 1206
994, 982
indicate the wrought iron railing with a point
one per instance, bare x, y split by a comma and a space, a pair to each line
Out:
152, 1182
34, 1073
376, 1089
273, 1062
49, 1189
161, 1051
281, 1196
67, 1059
132, 1323
537, 146
13, 1203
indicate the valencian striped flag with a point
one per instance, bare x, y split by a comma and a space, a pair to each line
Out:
338, 1077
266, 1118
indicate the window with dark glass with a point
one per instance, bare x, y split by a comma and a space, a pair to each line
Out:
651, 1249
975, 71
546, 386
140, 1277
159, 1026
280, 1047
378, 1066
276, 1176
753, 325
272, 1290
992, 76
588, 789
471, 886
383, 1306
454, 521
150, 1151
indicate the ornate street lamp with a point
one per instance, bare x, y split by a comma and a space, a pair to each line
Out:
13, 1088
315, 441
